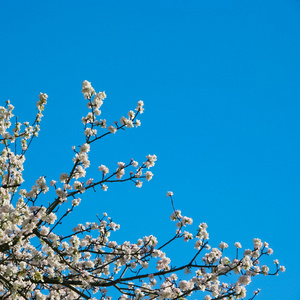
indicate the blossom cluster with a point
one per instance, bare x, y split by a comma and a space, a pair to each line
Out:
37, 262
95, 101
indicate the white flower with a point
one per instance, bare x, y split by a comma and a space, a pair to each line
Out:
129, 123
223, 245
255, 253
225, 260
244, 280
186, 285
151, 161
187, 236
134, 163
76, 201
121, 165
61, 193
265, 270
104, 169
187, 220
257, 244
247, 252
87, 89
52, 182
97, 112
282, 268
77, 185
144, 264
85, 148
90, 132
44, 230
103, 123
79, 172
198, 244
241, 292
123, 120
138, 174
149, 175
131, 114
104, 187
238, 245
140, 107
139, 184
120, 173
112, 129
89, 181
63, 177
43, 97
51, 218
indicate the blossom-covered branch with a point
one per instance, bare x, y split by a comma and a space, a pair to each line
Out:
37, 262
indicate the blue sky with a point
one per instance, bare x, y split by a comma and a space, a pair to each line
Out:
220, 82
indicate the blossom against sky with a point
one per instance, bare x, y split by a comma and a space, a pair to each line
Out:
220, 83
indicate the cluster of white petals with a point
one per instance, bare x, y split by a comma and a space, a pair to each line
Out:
37, 262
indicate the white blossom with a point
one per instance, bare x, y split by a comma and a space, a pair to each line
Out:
169, 194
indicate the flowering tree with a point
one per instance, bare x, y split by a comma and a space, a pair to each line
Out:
36, 262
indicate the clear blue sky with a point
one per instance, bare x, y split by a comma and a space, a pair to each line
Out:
220, 82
